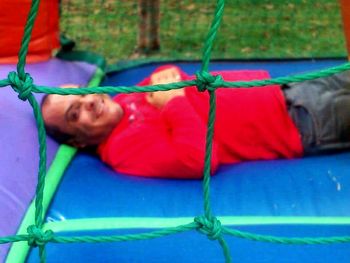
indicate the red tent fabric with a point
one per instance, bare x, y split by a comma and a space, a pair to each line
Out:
45, 35
345, 10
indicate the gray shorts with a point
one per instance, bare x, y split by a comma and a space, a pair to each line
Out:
320, 109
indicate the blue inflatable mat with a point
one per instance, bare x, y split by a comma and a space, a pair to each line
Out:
288, 198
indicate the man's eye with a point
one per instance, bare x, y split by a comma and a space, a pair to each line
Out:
74, 116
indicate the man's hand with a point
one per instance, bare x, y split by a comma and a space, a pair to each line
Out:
166, 76
160, 98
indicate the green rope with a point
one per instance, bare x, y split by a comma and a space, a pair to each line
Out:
206, 228
23, 88
203, 80
4, 83
11, 239
208, 224
130, 237
22, 84
36, 237
108, 89
42, 254
209, 146
208, 46
22, 55
203, 84
285, 80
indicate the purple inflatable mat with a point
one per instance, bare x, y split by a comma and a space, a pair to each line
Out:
19, 148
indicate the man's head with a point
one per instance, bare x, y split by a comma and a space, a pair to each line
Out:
80, 120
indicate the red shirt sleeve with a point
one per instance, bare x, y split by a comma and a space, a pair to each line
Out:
188, 135
172, 145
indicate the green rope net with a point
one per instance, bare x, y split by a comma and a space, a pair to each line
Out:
207, 223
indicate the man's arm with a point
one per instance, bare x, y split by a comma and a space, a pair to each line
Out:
160, 98
188, 134
174, 147
169, 146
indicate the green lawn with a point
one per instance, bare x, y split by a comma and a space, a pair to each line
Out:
250, 28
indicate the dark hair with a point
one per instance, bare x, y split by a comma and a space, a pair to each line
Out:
54, 131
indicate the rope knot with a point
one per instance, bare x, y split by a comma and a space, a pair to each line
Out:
209, 226
206, 81
22, 86
37, 237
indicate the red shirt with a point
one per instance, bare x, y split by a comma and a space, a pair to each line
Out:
251, 124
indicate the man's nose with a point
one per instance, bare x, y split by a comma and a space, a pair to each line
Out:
89, 102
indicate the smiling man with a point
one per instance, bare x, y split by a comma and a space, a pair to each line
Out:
162, 134
83, 120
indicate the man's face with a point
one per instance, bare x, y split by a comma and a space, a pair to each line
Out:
89, 118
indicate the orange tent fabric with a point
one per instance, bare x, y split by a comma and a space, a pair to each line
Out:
45, 35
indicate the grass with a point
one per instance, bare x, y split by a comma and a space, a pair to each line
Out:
250, 28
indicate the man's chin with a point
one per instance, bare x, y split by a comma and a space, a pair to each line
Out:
119, 112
